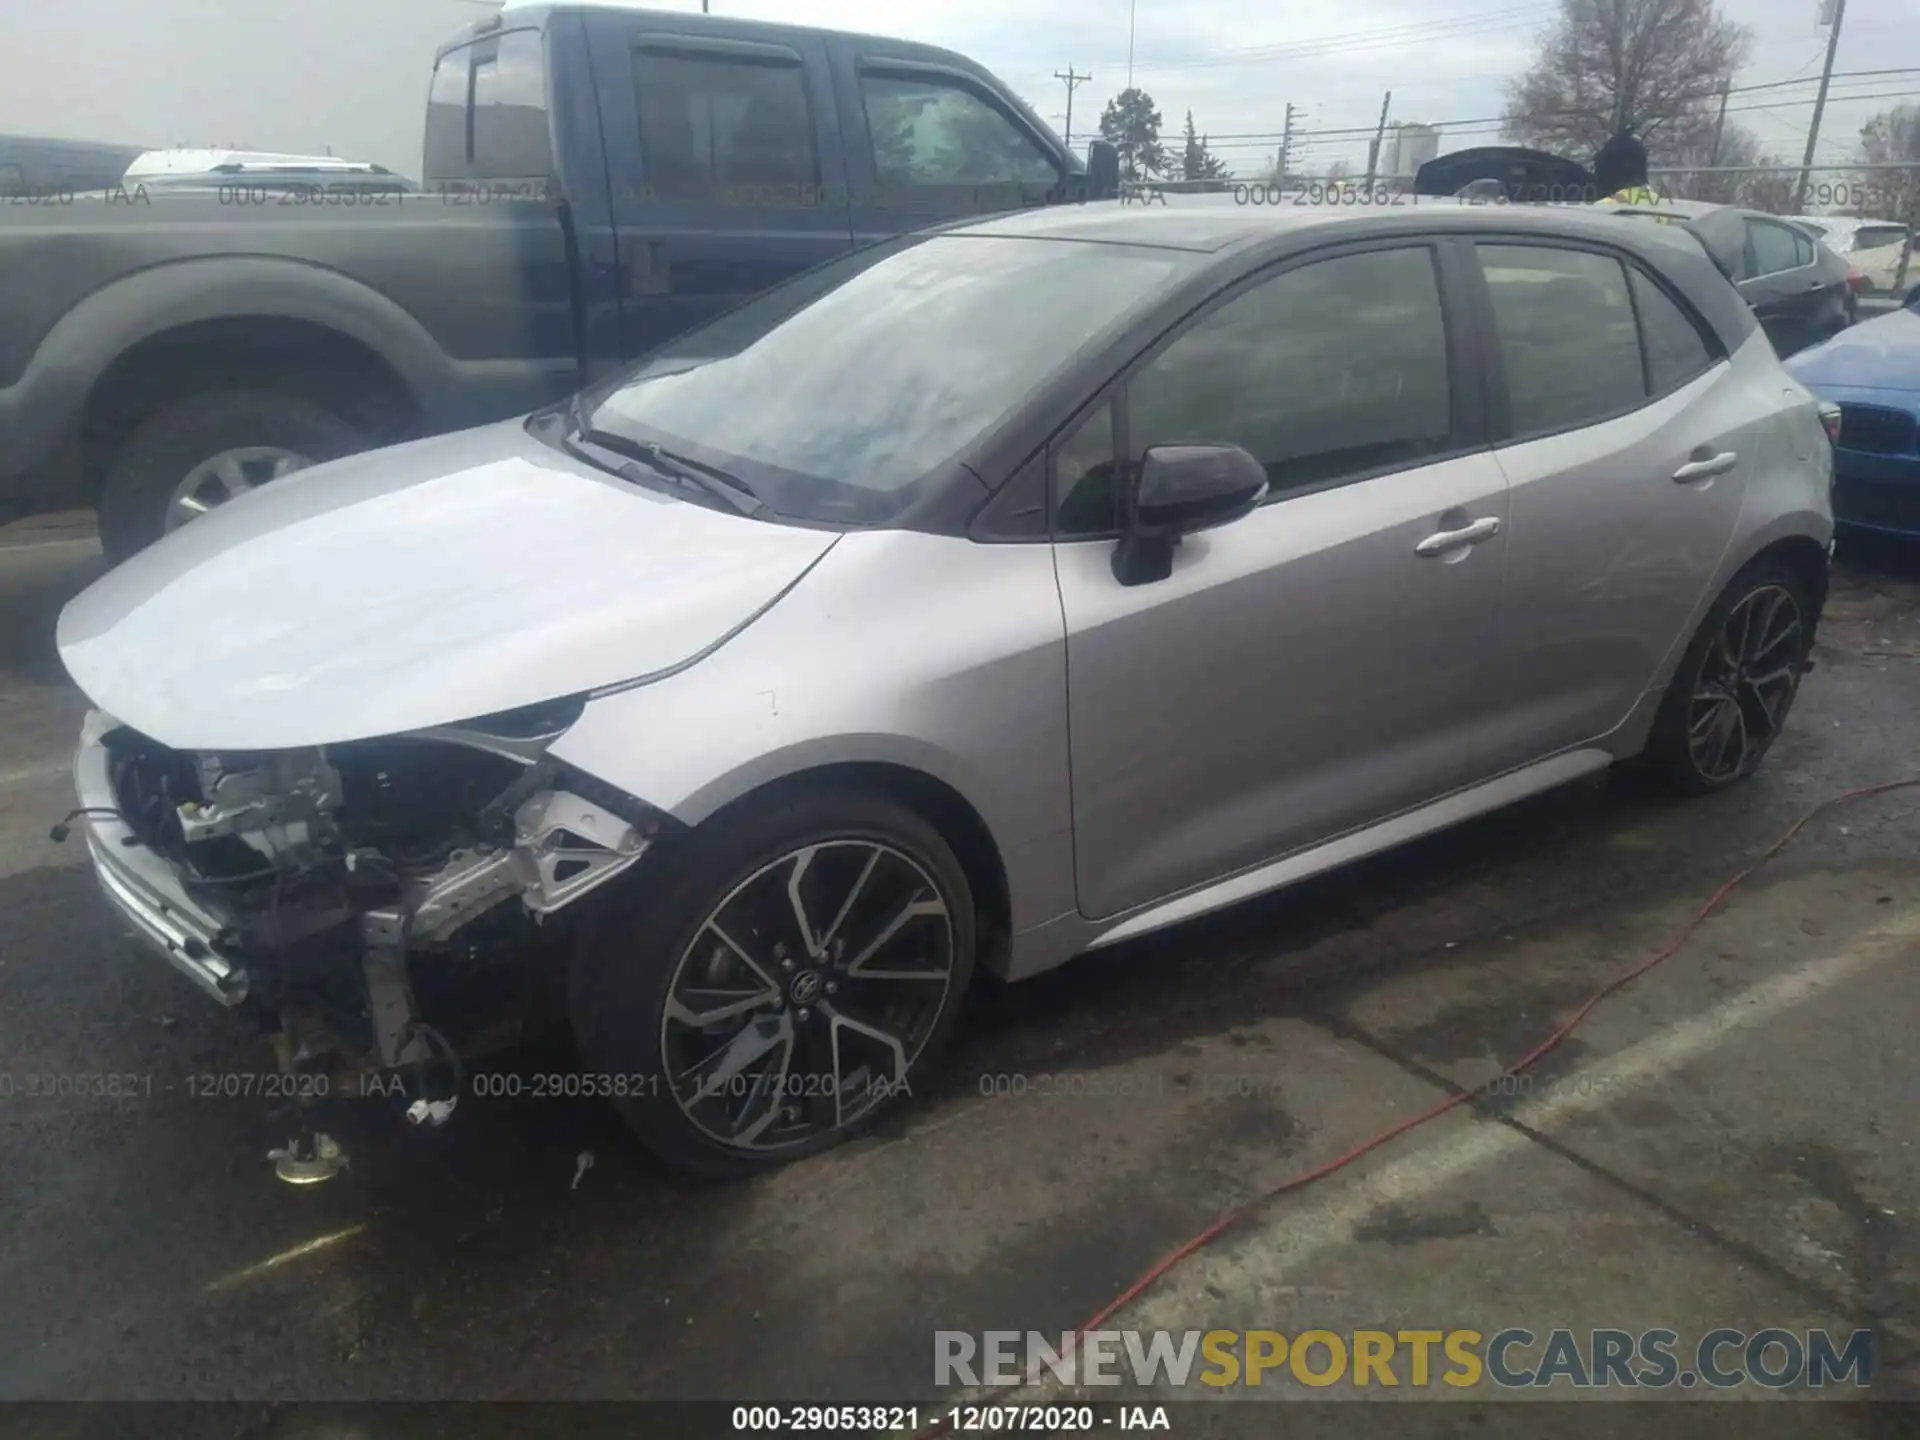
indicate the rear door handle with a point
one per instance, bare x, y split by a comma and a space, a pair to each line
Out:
1447, 541
1704, 468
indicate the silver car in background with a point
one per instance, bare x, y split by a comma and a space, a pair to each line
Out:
999, 593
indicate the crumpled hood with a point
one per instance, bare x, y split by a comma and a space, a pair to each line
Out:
429, 583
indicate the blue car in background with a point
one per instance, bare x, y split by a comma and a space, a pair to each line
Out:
1872, 372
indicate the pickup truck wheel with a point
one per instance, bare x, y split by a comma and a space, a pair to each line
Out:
200, 452
776, 980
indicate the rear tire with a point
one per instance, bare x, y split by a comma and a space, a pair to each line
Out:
751, 1029
1731, 694
166, 448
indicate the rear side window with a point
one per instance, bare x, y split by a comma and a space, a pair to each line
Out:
1675, 351
1770, 249
1802, 249
1568, 343
487, 112
708, 123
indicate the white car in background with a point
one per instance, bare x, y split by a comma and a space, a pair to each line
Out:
1871, 247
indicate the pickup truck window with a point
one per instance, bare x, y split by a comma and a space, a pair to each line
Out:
487, 111
932, 132
839, 409
709, 122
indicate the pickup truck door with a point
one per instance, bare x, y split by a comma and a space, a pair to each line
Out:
929, 141
724, 162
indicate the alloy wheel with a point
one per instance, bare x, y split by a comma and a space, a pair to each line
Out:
221, 477
1746, 683
807, 993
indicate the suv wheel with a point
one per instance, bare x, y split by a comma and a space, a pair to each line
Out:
775, 981
1730, 697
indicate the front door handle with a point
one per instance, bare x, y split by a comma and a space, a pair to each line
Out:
1447, 541
1706, 466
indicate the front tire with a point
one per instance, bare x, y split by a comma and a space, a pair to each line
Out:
775, 981
1736, 683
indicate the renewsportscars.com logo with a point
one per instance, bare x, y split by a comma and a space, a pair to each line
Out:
1513, 1358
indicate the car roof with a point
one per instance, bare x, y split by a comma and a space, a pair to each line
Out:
1218, 222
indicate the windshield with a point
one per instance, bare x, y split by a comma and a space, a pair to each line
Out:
834, 397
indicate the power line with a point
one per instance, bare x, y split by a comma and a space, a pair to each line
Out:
1361, 130
1415, 33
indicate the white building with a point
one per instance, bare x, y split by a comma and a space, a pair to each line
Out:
1408, 148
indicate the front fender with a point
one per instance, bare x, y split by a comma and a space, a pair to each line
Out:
923, 652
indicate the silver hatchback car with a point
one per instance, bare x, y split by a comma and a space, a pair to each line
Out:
986, 597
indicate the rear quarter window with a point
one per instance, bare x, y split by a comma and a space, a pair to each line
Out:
487, 112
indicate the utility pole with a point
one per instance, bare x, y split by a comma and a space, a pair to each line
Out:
1379, 139
1286, 150
1073, 82
1819, 105
1132, 6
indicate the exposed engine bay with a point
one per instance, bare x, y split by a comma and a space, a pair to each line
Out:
380, 904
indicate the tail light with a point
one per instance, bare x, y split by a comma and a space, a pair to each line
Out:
1830, 418
1854, 280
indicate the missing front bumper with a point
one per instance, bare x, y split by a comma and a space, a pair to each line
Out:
559, 847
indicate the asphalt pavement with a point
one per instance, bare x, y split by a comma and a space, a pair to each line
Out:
1732, 1140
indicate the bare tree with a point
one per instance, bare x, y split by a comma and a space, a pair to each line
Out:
1892, 138
1654, 65
1770, 190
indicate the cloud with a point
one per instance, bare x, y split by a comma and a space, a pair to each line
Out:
352, 74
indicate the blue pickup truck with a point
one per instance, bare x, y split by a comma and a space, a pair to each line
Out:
596, 180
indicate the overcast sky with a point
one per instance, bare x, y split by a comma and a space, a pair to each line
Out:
303, 75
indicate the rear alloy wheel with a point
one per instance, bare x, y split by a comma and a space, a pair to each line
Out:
1733, 690
772, 986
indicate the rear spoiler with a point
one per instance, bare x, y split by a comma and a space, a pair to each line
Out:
1524, 176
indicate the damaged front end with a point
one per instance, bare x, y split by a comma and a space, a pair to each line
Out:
379, 903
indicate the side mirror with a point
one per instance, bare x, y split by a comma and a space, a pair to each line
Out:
1181, 489
1103, 169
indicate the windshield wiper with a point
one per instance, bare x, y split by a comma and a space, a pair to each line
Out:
708, 479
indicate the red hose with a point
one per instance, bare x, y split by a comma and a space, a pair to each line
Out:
1452, 1102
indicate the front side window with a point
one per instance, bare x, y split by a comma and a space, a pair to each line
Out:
708, 123
1333, 370
834, 396
1770, 248
931, 133
1568, 344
